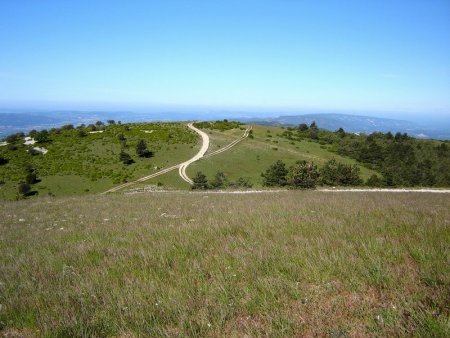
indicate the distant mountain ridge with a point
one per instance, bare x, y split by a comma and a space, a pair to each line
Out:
355, 124
24, 121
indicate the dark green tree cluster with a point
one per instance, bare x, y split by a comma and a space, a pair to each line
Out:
218, 125
301, 175
336, 173
400, 159
42, 137
24, 187
220, 181
13, 138
306, 175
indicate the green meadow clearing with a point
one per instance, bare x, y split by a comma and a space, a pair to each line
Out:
89, 164
253, 156
177, 264
77, 165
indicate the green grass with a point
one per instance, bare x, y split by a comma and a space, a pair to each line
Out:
296, 263
86, 165
251, 157
80, 165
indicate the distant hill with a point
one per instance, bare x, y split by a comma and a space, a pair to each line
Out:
355, 124
13, 121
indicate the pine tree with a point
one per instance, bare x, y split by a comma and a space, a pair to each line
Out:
200, 182
275, 175
141, 149
303, 175
125, 158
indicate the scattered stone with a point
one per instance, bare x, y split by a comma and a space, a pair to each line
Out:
29, 140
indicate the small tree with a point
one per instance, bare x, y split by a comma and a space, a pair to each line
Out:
242, 182
335, 173
110, 122
219, 181
302, 127
329, 173
99, 123
28, 168
81, 133
374, 181
141, 149
303, 175
313, 134
30, 178
341, 132
349, 175
200, 182
125, 158
24, 189
67, 127
275, 175
42, 136
3, 160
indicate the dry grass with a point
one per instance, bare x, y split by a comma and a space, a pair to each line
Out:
184, 264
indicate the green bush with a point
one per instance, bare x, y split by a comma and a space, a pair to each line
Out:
303, 175
275, 175
200, 182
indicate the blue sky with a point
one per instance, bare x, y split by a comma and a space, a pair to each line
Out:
283, 54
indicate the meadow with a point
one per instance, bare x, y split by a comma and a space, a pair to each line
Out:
253, 156
80, 165
176, 264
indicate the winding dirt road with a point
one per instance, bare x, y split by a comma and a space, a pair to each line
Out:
202, 151
182, 166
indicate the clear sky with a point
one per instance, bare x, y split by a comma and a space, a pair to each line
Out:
359, 55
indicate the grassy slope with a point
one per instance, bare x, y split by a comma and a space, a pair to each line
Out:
251, 157
78, 165
183, 264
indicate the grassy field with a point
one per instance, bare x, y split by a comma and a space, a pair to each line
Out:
84, 165
296, 263
79, 165
251, 157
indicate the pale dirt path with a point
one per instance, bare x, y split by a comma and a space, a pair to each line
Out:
232, 144
202, 151
164, 171
276, 191
436, 191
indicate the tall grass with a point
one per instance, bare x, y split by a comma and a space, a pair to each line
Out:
198, 264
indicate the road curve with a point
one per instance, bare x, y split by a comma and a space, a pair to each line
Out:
199, 155
204, 148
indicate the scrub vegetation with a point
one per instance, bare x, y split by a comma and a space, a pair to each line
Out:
93, 158
90, 159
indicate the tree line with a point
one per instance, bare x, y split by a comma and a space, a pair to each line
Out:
219, 181
306, 175
401, 160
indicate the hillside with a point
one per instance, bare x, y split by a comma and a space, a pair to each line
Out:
250, 158
86, 160
295, 263
93, 159
360, 124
